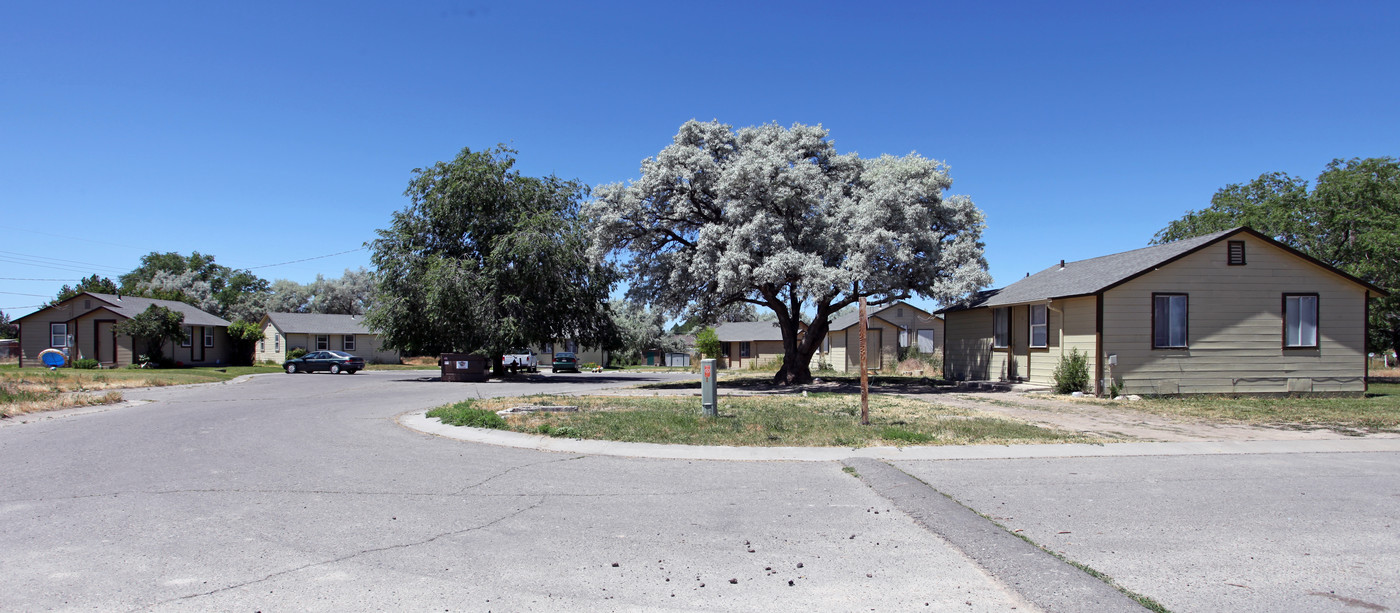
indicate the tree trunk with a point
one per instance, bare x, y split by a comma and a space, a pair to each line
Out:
797, 355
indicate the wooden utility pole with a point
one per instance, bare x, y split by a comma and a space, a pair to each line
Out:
864, 372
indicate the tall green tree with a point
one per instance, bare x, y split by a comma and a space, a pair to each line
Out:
156, 326
1349, 219
485, 258
94, 283
196, 279
8, 329
776, 218
243, 336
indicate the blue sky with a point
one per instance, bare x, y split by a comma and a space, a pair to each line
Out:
265, 132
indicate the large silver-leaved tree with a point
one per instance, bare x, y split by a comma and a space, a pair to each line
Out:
775, 217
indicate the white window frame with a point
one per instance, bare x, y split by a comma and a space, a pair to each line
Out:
1001, 327
1043, 328
903, 337
347, 342
323, 342
277, 343
187, 336
58, 335
208, 336
1175, 326
1298, 333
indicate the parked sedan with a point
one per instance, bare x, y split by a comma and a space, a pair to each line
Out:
334, 362
565, 360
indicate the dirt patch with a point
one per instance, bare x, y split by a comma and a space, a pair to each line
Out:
1120, 421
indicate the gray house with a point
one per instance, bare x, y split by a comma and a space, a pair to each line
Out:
83, 327
1229, 312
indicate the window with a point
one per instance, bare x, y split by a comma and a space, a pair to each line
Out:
1040, 314
1001, 327
1300, 320
1169, 321
323, 342
348, 342
262, 345
1236, 252
186, 336
58, 335
87, 304
899, 312
208, 336
903, 338
549, 348
277, 343
744, 349
571, 346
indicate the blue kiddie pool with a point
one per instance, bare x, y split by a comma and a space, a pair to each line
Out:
53, 358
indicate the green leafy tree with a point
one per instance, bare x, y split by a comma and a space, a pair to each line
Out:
8, 329
484, 259
707, 342
196, 279
1350, 219
776, 218
94, 283
155, 326
243, 335
640, 329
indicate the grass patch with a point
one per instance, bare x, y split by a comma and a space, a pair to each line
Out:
465, 414
1377, 411
817, 420
28, 390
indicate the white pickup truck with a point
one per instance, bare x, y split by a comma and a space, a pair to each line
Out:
518, 359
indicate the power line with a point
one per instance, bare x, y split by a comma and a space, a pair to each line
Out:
27, 279
27, 306
19, 294
319, 257
39, 260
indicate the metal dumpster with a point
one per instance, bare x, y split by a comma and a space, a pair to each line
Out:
464, 367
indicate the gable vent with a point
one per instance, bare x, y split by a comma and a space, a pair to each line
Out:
1236, 251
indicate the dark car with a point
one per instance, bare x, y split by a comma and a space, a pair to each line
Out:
333, 362
565, 360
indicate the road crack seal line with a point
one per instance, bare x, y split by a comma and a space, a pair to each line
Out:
512, 469
344, 558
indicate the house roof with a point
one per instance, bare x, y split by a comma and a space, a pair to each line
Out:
130, 306
749, 331
1094, 275
318, 323
852, 318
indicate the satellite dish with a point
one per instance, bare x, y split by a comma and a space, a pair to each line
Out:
52, 358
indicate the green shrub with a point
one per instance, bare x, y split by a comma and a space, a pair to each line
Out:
1072, 374
463, 414
296, 352
86, 364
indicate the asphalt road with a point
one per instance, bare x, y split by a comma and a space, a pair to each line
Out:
304, 493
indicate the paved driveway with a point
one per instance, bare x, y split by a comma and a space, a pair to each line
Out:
303, 492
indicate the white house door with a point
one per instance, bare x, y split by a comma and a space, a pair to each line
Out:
925, 341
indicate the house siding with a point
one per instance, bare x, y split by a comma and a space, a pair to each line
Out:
968, 345
1235, 327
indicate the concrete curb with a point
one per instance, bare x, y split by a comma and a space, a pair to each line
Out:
419, 421
1042, 579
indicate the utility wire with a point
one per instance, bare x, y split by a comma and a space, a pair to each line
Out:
19, 294
28, 279
319, 257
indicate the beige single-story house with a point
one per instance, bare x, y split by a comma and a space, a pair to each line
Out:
893, 331
750, 344
316, 332
82, 328
1229, 312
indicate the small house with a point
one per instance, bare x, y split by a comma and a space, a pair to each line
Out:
282, 332
1229, 312
82, 327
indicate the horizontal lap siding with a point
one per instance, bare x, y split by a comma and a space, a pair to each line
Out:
1235, 326
1070, 326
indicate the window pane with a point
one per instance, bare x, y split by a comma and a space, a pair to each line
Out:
1300, 321
1169, 315
1001, 326
1178, 308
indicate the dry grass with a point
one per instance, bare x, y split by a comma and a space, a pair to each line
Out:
1377, 411
816, 420
27, 390
430, 361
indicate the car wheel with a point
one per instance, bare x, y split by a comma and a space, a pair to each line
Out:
291, 369
335, 369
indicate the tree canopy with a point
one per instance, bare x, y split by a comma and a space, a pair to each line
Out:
776, 218
1350, 219
484, 259
156, 325
94, 283
196, 279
